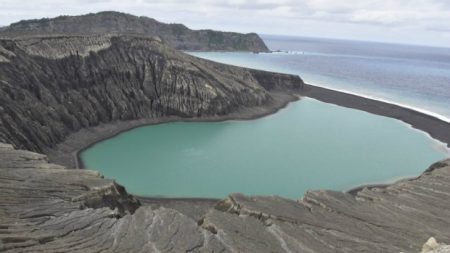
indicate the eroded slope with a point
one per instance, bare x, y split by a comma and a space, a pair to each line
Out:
53, 86
48, 208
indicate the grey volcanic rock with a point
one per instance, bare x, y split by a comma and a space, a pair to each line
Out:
53, 86
48, 208
55, 89
431, 246
175, 35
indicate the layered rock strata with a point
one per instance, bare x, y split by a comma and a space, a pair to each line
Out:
175, 35
48, 208
51, 87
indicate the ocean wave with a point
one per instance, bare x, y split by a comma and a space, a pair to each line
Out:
408, 106
293, 52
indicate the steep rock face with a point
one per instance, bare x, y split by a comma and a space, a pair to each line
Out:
175, 35
52, 86
48, 208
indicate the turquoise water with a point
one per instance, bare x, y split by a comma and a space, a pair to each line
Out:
412, 76
308, 145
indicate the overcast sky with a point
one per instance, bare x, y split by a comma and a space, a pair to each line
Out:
402, 21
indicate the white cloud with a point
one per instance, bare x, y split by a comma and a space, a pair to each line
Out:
419, 19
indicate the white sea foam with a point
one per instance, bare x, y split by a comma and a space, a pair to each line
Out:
327, 86
286, 52
411, 107
439, 145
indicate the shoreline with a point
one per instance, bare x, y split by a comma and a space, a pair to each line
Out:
406, 106
68, 153
434, 127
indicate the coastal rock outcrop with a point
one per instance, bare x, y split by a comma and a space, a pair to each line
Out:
48, 208
53, 86
55, 89
175, 35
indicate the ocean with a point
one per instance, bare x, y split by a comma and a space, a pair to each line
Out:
417, 77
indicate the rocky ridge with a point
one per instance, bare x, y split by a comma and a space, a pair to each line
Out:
175, 35
48, 208
51, 87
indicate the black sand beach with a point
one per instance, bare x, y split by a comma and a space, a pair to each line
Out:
68, 152
436, 128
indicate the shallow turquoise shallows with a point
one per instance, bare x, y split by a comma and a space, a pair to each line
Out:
308, 145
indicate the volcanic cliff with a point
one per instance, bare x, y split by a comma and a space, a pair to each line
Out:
52, 86
56, 89
175, 35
